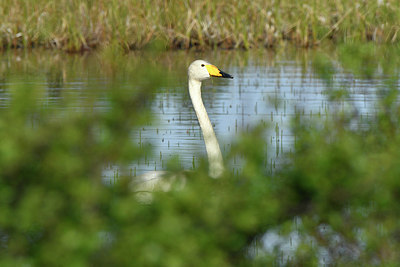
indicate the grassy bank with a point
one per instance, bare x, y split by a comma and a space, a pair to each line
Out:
76, 25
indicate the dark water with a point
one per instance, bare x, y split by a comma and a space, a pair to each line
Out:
268, 87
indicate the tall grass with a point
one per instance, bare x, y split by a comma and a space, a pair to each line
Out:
76, 25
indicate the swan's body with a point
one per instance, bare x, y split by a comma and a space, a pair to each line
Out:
198, 71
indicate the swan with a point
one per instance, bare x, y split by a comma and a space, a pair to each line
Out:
198, 71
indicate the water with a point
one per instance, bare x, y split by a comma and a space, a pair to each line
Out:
261, 92
268, 87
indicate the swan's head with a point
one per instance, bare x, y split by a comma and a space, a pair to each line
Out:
202, 70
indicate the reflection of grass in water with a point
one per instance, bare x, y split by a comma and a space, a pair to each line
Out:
79, 25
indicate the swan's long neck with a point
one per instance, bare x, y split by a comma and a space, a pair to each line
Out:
213, 151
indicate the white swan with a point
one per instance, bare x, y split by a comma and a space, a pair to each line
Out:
198, 71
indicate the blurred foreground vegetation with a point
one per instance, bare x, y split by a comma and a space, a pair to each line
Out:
75, 25
337, 194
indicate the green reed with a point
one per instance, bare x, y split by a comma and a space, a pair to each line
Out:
78, 25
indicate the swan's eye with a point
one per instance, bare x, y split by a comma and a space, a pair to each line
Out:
202, 65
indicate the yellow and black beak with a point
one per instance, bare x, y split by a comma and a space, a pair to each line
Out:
215, 72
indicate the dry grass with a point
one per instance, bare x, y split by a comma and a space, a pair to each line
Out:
75, 25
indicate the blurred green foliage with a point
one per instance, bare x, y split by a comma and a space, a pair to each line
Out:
338, 192
53, 202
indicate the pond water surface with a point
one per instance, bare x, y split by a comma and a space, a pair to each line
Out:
269, 87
